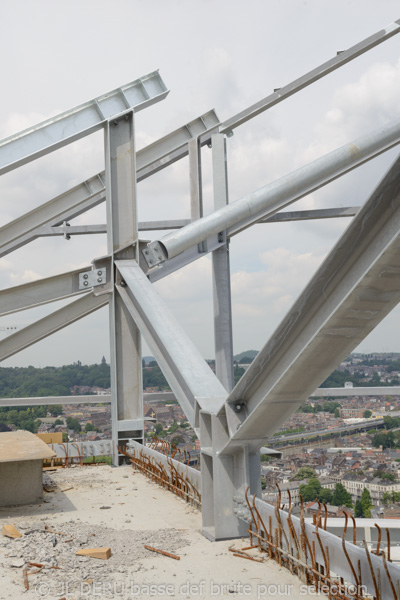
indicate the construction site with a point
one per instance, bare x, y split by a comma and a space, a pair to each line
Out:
153, 524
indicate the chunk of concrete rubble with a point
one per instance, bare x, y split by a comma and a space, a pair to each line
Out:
18, 563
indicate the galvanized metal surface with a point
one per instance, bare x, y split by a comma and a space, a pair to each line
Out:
354, 289
122, 235
191, 379
80, 121
41, 291
90, 193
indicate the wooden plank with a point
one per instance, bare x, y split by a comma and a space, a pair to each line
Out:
10, 531
103, 553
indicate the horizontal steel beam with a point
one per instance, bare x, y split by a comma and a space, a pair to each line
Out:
54, 322
80, 121
351, 293
81, 399
190, 378
389, 390
67, 230
40, 292
88, 194
271, 198
51, 400
305, 80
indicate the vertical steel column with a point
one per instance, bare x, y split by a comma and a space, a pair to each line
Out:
122, 235
196, 196
221, 273
223, 476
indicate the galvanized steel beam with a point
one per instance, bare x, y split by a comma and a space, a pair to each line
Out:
355, 288
80, 121
305, 80
66, 230
54, 322
122, 235
28, 227
384, 390
223, 335
40, 292
191, 379
51, 400
91, 192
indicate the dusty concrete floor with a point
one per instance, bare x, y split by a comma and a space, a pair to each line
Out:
138, 513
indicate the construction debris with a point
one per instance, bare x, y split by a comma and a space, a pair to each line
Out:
242, 555
175, 556
103, 553
10, 531
118, 551
25, 576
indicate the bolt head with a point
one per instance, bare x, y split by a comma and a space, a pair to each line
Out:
99, 279
85, 283
99, 272
85, 276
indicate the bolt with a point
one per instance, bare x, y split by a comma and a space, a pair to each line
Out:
85, 276
150, 262
99, 272
146, 251
99, 279
85, 283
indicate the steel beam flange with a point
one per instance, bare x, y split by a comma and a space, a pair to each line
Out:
92, 278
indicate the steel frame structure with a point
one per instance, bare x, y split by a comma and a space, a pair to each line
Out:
353, 290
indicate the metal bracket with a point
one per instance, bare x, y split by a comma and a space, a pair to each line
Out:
92, 278
154, 254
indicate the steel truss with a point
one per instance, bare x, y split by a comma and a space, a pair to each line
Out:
354, 289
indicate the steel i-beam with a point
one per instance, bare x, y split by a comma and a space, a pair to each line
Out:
126, 354
80, 121
354, 289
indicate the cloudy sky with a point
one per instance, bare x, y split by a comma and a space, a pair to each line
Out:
222, 54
